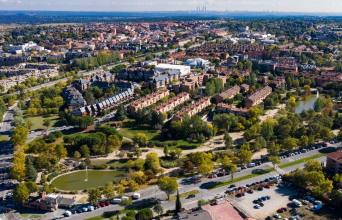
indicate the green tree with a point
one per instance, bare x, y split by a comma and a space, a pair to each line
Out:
21, 193
94, 196
178, 202
201, 202
47, 122
108, 191
134, 186
166, 151
290, 143
273, 149
267, 130
158, 209
228, 140
167, 185
303, 141
85, 151
31, 172
61, 151
274, 160
336, 198
125, 202
231, 169
318, 105
144, 214
31, 186
140, 139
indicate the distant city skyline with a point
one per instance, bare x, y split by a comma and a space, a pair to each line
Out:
173, 5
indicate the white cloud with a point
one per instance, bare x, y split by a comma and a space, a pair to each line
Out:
10, 1
133, 3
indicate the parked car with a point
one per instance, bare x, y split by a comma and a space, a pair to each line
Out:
250, 191
192, 196
280, 210
260, 189
102, 205
257, 206
306, 202
268, 186
107, 203
277, 216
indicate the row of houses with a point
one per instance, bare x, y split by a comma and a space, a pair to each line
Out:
225, 108
147, 101
99, 79
170, 104
104, 104
193, 109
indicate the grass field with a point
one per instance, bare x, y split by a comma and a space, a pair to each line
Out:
184, 195
3, 139
130, 128
35, 216
24, 215
38, 121
304, 160
123, 211
214, 186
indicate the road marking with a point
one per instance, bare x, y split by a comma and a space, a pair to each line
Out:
190, 202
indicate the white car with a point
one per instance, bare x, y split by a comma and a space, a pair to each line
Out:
306, 202
309, 207
277, 216
285, 219
257, 206
32, 132
84, 209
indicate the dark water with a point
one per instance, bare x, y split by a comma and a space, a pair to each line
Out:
77, 180
308, 103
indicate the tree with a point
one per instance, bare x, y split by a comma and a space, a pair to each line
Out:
31, 172
337, 178
77, 155
273, 149
336, 198
290, 143
125, 202
179, 152
108, 191
58, 134
166, 151
274, 160
131, 60
228, 140
31, 186
222, 121
245, 155
144, 214
231, 169
152, 161
205, 169
201, 202
21, 193
18, 172
19, 136
113, 142
318, 105
120, 190
267, 130
18, 121
94, 196
47, 122
85, 151
312, 165
178, 202
326, 133
134, 186
158, 209
138, 153
303, 141
167, 185
61, 151
140, 139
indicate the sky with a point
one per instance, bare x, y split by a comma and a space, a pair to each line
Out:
173, 5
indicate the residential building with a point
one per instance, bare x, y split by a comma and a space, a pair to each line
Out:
334, 162
193, 109
170, 104
99, 79
197, 63
257, 97
279, 81
163, 80
73, 98
244, 87
188, 83
147, 101
228, 94
225, 108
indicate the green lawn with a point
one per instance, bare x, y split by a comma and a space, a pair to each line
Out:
23, 215
35, 216
183, 195
214, 186
38, 121
130, 128
304, 160
123, 211
3, 139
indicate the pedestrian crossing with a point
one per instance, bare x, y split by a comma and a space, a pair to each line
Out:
296, 157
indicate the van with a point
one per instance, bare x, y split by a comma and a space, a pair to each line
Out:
297, 203
67, 213
116, 200
251, 165
90, 208
124, 198
136, 195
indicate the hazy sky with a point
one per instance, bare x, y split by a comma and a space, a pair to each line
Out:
173, 5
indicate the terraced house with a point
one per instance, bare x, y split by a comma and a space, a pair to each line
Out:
104, 104
147, 101
170, 104
193, 109
257, 97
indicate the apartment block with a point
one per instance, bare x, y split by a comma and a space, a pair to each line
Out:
257, 97
228, 94
147, 101
334, 162
193, 109
170, 104
225, 108
279, 81
73, 98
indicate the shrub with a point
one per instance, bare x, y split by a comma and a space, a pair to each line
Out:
170, 144
112, 167
175, 174
51, 176
175, 143
74, 192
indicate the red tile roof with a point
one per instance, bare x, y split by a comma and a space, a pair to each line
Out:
335, 156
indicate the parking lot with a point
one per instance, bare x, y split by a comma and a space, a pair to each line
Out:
279, 198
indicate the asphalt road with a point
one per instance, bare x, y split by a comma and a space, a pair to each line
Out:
153, 193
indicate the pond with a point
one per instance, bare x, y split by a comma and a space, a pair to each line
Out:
308, 103
80, 180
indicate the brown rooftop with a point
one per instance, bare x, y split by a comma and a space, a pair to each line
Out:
335, 156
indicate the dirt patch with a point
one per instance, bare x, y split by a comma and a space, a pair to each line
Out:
257, 155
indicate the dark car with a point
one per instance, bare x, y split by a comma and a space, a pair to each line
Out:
269, 218
250, 191
260, 200
285, 209
79, 210
260, 189
247, 185
231, 186
1, 199
268, 197
192, 196
255, 201
264, 198
261, 204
